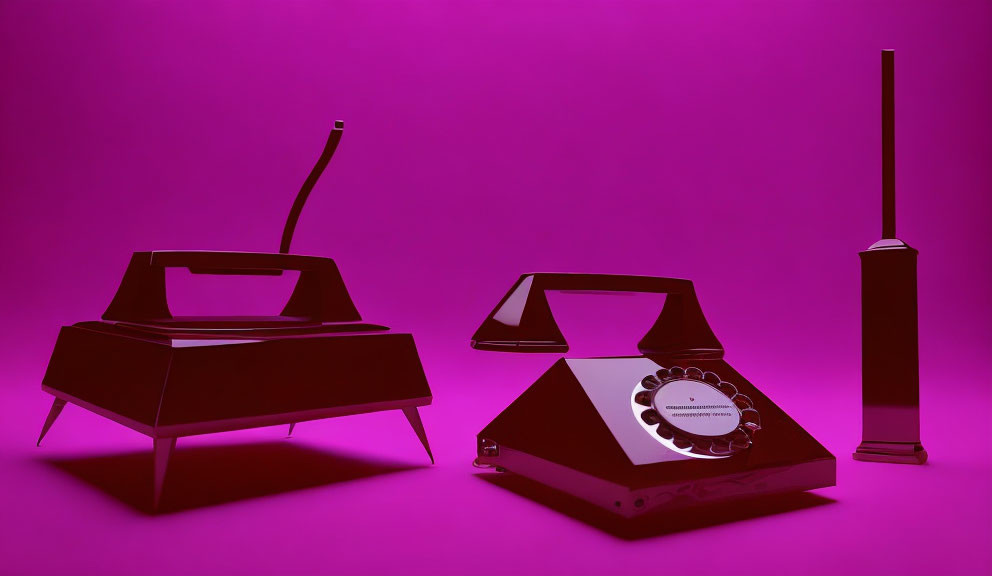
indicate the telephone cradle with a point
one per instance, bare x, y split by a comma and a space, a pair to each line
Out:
674, 427
168, 377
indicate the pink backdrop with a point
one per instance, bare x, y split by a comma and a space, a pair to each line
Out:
735, 144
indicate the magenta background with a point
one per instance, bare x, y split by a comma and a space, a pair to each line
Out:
736, 144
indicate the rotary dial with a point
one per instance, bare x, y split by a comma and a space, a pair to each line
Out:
695, 412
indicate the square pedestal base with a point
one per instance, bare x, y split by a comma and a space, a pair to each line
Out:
892, 452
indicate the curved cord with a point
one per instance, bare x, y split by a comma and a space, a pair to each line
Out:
308, 184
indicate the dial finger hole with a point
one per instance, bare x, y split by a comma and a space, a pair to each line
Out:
650, 417
664, 431
727, 388
694, 373
739, 440
643, 398
720, 446
751, 418
650, 382
676, 372
743, 402
711, 378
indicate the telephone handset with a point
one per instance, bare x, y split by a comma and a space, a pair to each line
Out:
673, 427
522, 321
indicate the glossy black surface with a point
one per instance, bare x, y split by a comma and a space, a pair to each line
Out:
890, 355
522, 321
168, 376
556, 420
582, 427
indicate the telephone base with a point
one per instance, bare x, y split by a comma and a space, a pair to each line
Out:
631, 502
891, 452
575, 430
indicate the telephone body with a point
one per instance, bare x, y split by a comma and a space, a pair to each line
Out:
674, 427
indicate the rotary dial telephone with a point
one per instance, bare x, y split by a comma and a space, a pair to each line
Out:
672, 427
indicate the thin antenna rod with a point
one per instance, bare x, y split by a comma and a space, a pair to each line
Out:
308, 184
888, 146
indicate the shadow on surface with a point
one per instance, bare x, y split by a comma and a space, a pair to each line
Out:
202, 476
654, 523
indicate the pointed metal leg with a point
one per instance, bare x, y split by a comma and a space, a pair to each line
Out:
414, 417
291, 426
57, 407
163, 451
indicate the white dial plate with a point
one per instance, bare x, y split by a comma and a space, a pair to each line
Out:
697, 408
